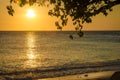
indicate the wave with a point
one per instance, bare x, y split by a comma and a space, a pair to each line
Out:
55, 71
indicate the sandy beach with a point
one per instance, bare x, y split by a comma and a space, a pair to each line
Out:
107, 75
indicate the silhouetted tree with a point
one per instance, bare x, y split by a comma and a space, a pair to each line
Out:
80, 11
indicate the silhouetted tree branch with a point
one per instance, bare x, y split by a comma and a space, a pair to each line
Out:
80, 11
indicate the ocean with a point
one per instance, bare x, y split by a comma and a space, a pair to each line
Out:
42, 54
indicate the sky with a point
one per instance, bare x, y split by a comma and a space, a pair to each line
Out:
42, 21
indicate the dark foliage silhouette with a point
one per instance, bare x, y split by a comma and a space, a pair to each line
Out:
80, 11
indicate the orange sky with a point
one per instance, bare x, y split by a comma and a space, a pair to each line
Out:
42, 21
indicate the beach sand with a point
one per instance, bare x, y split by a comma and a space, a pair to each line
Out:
106, 75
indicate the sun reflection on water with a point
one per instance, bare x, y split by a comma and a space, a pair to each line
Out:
31, 56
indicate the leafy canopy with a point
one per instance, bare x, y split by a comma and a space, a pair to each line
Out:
80, 11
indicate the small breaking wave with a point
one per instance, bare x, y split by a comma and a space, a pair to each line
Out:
56, 71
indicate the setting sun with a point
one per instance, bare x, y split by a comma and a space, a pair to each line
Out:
30, 13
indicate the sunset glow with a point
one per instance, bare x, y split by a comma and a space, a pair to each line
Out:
36, 18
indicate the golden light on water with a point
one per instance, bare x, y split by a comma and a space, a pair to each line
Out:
31, 45
31, 56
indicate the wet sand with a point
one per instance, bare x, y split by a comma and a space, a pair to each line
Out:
107, 75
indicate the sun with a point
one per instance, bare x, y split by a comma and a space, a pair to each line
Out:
30, 13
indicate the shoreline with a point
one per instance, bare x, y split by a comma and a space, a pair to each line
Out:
105, 75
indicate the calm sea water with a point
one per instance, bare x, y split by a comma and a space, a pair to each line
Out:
51, 54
